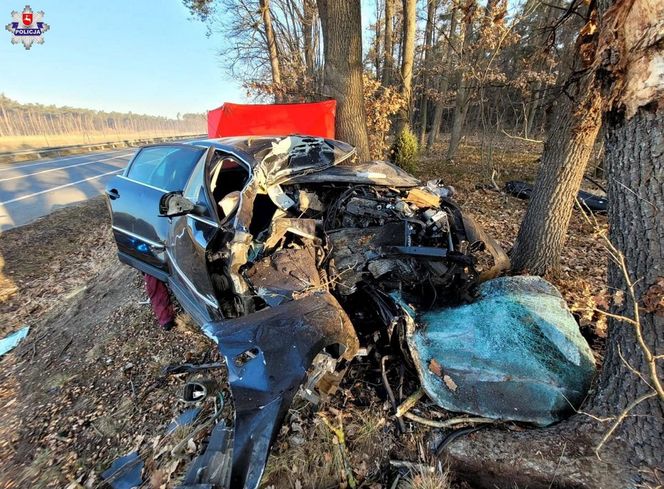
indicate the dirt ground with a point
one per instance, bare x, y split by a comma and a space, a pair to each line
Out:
85, 386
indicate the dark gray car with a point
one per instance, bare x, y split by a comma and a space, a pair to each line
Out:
290, 254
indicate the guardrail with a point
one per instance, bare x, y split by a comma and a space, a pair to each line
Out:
36, 154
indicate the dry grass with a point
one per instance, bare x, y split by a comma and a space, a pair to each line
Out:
308, 454
18, 143
427, 479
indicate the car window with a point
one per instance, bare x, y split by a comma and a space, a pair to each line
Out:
165, 167
195, 190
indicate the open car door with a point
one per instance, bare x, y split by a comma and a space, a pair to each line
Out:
133, 198
189, 237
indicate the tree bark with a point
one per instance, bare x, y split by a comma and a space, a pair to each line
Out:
461, 106
342, 37
407, 60
432, 5
388, 65
271, 48
446, 54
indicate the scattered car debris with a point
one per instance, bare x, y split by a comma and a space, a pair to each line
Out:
187, 417
515, 353
523, 190
294, 262
212, 469
125, 472
8, 343
199, 389
188, 368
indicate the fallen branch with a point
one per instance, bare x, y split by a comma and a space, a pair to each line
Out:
410, 402
448, 422
520, 138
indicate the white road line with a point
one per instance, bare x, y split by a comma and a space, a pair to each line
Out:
10, 166
23, 197
64, 167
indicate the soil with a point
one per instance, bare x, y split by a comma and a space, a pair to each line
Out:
85, 386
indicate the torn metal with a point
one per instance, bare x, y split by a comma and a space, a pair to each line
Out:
312, 259
515, 353
363, 234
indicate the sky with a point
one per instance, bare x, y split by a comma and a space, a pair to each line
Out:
144, 56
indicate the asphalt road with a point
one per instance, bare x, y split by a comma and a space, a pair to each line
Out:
32, 189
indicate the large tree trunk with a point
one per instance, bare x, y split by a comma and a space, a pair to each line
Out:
271, 49
633, 86
388, 65
544, 228
633, 456
407, 60
575, 122
446, 50
342, 36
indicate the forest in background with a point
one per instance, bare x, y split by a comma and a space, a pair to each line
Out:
481, 68
26, 126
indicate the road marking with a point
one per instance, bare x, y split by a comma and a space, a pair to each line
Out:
23, 197
64, 167
56, 160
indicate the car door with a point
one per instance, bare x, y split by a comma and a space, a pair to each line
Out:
188, 241
133, 198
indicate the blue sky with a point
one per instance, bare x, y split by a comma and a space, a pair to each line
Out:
146, 56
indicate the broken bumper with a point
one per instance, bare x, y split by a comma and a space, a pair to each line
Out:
268, 354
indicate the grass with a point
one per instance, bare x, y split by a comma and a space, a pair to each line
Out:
427, 479
19, 143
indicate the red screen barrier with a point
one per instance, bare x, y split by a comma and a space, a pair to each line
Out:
314, 119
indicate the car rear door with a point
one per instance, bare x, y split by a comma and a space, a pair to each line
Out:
133, 198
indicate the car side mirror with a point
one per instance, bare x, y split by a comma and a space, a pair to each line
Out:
175, 204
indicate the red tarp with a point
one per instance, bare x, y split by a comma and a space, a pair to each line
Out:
315, 119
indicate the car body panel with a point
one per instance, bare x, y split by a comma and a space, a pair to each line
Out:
279, 311
284, 340
138, 229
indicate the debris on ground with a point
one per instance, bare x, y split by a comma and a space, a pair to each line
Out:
125, 472
515, 353
591, 202
187, 417
8, 343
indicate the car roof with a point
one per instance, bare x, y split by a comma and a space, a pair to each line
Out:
247, 146
254, 148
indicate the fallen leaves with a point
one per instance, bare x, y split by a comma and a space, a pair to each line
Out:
653, 299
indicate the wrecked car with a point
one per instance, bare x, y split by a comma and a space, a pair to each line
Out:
294, 257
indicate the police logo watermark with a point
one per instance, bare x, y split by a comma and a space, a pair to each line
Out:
27, 27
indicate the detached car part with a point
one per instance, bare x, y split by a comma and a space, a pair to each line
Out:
515, 353
268, 354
